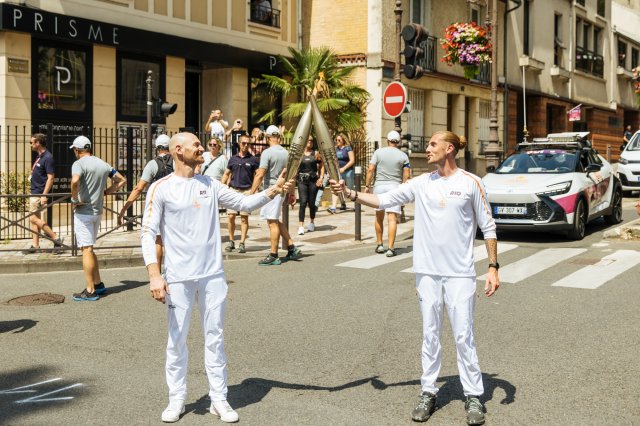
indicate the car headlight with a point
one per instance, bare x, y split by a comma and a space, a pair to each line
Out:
623, 160
556, 189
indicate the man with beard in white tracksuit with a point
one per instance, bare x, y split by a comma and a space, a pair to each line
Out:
449, 204
183, 208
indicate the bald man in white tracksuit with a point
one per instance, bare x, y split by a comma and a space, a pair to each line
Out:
183, 208
450, 204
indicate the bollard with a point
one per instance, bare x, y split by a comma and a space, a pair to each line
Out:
358, 206
285, 218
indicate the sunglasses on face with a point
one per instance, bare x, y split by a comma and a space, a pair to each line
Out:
213, 145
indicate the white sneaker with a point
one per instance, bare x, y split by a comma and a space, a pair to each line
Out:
174, 410
311, 227
301, 231
223, 410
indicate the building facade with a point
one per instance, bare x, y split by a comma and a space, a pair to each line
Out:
78, 64
363, 33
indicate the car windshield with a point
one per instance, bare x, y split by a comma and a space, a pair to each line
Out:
539, 161
634, 144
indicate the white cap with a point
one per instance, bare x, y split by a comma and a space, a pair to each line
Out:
162, 141
272, 131
393, 136
81, 142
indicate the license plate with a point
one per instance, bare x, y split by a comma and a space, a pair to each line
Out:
510, 210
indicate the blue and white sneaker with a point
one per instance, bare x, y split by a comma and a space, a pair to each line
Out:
85, 296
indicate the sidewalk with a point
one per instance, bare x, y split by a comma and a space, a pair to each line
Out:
122, 249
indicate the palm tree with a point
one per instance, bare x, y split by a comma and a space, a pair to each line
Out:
316, 70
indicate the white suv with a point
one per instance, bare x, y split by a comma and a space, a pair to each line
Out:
629, 165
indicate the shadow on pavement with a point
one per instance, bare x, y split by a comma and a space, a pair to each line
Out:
17, 326
36, 389
451, 389
253, 390
124, 286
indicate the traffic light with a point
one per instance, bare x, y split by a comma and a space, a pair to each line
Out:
162, 109
414, 36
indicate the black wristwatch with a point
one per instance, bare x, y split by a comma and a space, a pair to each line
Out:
494, 265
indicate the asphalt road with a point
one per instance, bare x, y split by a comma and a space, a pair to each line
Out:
312, 343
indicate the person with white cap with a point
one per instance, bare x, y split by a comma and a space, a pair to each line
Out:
390, 167
272, 161
155, 169
88, 181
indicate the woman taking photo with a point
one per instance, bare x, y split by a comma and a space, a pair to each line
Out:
346, 161
309, 180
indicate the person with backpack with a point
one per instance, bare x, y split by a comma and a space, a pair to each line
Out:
155, 169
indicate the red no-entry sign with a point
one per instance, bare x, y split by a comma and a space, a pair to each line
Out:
394, 99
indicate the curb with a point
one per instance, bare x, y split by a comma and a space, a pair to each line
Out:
628, 231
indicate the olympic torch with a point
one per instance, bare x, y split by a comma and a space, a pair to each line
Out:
298, 143
325, 143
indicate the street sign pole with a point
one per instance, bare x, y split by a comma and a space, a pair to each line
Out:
396, 76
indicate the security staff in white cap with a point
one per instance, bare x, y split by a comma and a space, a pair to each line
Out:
88, 182
159, 167
390, 167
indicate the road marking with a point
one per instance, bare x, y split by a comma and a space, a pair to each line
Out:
538, 262
480, 253
38, 398
23, 389
374, 261
593, 276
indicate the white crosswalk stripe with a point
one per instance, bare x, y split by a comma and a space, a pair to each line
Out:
609, 267
374, 261
588, 277
480, 253
538, 262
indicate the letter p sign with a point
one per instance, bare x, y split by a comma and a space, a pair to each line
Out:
64, 80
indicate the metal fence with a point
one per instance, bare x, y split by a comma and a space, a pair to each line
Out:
122, 147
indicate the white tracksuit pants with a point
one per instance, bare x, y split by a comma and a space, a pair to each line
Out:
458, 293
210, 293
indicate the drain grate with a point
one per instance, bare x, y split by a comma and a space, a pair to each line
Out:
37, 299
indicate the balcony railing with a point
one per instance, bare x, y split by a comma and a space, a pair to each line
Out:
589, 62
485, 73
265, 15
430, 46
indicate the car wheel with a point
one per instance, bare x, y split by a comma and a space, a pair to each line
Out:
579, 222
616, 209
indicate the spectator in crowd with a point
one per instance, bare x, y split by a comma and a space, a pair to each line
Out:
183, 209
88, 181
239, 175
233, 135
215, 162
346, 161
389, 167
41, 178
309, 180
450, 205
272, 161
216, 125
155, 169
626, 137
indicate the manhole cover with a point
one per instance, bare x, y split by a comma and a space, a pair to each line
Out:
37, 299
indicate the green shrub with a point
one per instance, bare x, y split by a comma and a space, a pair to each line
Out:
15, 183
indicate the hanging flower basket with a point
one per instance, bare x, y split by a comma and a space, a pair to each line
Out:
467, 44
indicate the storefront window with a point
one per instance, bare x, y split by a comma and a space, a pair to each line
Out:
133, 86
62, 79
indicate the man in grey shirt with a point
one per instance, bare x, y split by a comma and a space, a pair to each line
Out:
272, 161
88, 181
391, 167
150, 174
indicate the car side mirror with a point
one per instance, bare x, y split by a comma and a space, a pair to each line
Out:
491, 169
593, 168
